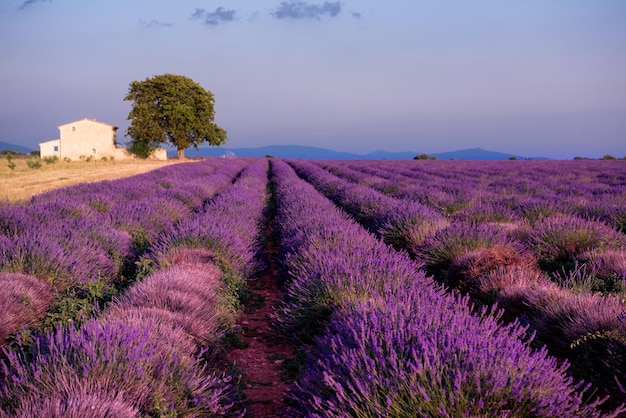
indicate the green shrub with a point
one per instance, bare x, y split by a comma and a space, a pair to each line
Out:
9, 155
424, 157
34, 163
50, 159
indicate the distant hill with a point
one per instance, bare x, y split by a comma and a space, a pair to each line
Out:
306, 152
386, 155
6, 146
479, 154
280, 151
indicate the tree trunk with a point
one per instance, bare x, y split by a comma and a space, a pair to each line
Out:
181, 153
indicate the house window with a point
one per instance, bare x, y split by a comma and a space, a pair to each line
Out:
56, 148
73, 128
94, 150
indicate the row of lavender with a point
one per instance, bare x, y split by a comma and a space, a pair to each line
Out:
390, 342
66, 250
153, 349
497, 191
496, 263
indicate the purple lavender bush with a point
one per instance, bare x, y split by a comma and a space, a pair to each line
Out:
25, 299
589, 330
467, 270
570, 318
407, 226
411, 356
561, 240
63, 250
78, 400
43, 256
488, 286
147, 364
145, 219
190, 296
326, 276
439, 251
602, 271
483, 212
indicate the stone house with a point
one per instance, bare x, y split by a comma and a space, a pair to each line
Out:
88, 138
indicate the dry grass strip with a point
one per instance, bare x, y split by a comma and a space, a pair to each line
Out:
22, 182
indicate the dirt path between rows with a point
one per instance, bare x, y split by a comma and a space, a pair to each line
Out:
263, 354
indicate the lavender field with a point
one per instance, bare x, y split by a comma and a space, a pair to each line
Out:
411, 288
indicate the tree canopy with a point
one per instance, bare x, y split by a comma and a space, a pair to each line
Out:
171, 109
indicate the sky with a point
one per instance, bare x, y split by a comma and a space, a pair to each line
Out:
527, 77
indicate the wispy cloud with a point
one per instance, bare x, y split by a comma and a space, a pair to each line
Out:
296, 9
219, 15
156, 23
198, 13
29, 3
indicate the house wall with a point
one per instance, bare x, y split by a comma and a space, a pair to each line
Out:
87, 138
50, 148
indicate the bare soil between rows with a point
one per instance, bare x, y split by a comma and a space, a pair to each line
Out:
263, 352
262, 358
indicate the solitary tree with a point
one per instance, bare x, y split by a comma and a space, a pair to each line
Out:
171, 109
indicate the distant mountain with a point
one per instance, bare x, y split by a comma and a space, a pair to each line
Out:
280, 151
386, 155
477, 154
305, 152
6, 146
